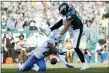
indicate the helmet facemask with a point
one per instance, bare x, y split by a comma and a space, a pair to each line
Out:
63, 12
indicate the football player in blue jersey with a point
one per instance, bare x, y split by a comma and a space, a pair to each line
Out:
37, 57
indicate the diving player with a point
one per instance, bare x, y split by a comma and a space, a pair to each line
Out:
37, 57
74, 25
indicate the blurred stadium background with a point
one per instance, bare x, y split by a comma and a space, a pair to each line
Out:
26, 18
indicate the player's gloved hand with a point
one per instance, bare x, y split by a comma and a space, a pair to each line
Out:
69, 66
57, 36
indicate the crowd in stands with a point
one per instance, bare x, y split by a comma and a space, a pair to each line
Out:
24, 16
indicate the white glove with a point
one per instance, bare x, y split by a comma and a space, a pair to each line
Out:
57, 37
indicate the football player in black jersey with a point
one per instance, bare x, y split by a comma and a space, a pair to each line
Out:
74, 25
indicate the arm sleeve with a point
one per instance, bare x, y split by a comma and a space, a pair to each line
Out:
62, 59
57, 25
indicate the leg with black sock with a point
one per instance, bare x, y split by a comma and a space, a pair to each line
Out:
81, 57
80, 54
76, 41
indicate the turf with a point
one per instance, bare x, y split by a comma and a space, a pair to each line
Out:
60, 68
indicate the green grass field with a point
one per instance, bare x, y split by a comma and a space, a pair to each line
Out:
60, 68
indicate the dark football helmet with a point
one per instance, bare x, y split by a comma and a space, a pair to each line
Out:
63, 9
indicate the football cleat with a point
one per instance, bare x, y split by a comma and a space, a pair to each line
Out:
19, 65
84, 66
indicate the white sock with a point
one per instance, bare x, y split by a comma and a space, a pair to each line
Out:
20, 65
35, 68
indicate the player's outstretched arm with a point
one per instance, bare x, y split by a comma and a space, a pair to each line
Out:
58, 36
57, 25
66, 26
62, 59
